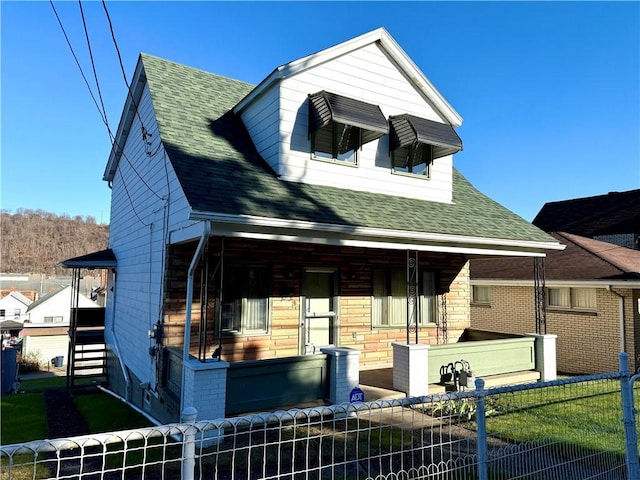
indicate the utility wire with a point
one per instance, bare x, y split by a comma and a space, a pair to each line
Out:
104, 119
93, 66
102, 111
122, 69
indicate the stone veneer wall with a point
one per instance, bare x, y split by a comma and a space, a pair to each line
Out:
287, 261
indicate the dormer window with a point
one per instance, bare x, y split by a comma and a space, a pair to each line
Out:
339, 126
414, 143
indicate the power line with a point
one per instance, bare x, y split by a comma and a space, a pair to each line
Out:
93, 66
102, 111
104, 119
122, 69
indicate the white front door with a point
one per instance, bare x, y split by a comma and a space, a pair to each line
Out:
319, 319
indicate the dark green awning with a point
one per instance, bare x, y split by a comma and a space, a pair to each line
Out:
406, 130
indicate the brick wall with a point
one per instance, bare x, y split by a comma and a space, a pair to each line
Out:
587, 342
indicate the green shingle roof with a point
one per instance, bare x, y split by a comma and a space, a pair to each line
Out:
221, 172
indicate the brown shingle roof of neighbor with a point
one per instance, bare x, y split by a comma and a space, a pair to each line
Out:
609, 214
208, 145
583, 259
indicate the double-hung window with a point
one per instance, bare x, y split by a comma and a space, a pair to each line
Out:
572, 298
389, 302
481, 294
245, 299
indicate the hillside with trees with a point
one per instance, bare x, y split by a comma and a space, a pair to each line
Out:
35, 241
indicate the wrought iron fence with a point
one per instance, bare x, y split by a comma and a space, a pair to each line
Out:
566, 429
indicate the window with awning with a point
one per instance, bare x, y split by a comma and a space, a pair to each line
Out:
415, 142
339, 125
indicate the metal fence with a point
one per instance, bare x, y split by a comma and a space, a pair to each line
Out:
566, 429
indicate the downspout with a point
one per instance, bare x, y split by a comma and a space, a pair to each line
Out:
125, 373
622, 329
187, 321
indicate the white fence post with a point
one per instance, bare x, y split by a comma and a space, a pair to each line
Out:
189, 416
345, 372
410, 369
629, 417
545, 356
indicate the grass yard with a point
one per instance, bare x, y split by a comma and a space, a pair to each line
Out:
105, 413
592, 420
23, 418
24, 415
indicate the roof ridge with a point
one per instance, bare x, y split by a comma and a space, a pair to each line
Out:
577, 241
47, 296
595, 197
144, 55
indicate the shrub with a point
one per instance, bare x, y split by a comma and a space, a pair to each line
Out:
29, 363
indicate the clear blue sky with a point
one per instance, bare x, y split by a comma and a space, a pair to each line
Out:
549, 91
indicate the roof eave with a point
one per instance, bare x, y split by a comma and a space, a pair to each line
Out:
387, 42
593, 283
126, 120
313, 232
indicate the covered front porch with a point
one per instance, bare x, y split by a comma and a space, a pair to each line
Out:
273, 323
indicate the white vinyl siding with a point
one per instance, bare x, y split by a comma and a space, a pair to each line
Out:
138, 234
46, 347
368, 75
57, 307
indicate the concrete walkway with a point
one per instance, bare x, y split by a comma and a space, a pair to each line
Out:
51, 372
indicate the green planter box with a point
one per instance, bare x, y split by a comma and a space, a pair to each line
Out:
487, 357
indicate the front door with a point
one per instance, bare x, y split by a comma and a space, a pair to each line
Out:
319, 318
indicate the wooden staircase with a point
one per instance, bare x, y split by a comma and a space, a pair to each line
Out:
87, 365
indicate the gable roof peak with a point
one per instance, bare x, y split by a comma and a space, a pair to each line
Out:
380, 36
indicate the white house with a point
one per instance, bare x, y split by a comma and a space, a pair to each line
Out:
309, 220
13, 306
46, 330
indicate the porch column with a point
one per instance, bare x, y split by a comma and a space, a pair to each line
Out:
410, 369
205, 387
545, 355
344, 373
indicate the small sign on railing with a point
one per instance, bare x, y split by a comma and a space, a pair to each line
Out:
356, 395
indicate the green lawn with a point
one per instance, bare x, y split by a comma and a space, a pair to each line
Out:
593, 422
24, 416
105, 413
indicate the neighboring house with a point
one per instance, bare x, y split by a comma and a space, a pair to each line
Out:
592, 300
613, 218
13, 306
46, 330
317, 209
